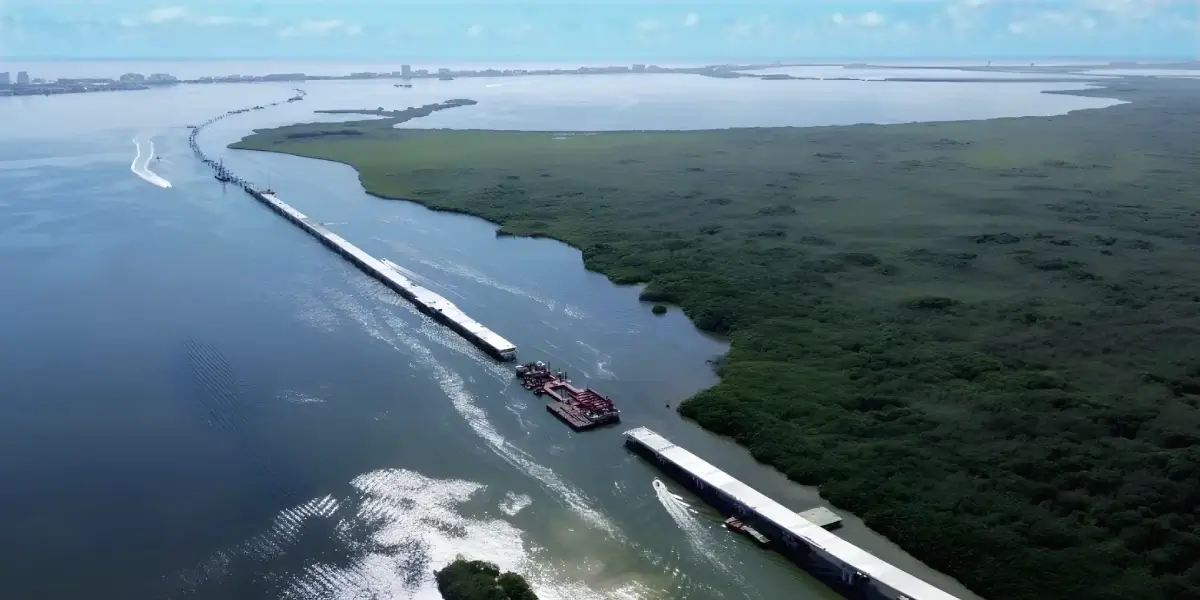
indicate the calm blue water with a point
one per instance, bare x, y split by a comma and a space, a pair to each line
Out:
201, 401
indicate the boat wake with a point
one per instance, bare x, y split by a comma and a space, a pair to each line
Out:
468, 273
384, 325
685, 517
465, 272
141, 165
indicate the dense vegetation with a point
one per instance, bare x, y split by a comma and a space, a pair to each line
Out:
979, 336
478, 580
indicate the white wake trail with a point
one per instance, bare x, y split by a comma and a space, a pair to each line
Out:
393, 331
685, 517
143, 170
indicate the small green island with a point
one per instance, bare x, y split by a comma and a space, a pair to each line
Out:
479, 580
981, 337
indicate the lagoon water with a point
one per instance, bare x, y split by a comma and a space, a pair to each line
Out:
200, 401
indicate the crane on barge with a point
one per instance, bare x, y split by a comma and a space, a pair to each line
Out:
581, 409
223, 175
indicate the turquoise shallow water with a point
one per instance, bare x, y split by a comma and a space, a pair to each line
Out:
201, 401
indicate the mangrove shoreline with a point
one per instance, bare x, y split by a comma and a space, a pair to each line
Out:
977, 336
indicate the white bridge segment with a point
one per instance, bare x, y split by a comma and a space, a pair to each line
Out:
894, 581
388, 270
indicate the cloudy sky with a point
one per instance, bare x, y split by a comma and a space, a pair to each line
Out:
551, 30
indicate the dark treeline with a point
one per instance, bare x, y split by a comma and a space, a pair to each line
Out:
478, 580
981, 336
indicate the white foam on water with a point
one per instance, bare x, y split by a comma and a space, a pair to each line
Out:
564, 363
416, 526
468, 273
603, 360
432, 330
421, 279
143, 170
296, 397
514, 503
574, 312
392, 330
285, 529
214, 568
289, 523
317, 313
520, 418
685, 517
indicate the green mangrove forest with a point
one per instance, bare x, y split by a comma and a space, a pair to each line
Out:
479, 580
981, 337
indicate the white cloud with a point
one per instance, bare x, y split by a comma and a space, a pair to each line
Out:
759, 27
179, 14
965, 14
475, 30
867, 19
648, 25
320, 28
166, 15
1053, 21
691, 20
1126, 10
1088, 15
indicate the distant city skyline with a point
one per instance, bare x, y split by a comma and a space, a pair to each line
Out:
560, 30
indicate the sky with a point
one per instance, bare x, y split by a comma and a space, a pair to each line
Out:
587, 30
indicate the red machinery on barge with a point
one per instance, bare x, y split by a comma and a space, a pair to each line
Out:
581, 409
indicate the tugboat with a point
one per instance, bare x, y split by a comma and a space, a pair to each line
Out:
739, 526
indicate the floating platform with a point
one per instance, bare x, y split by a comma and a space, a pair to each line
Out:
572, 416
852, 571
823, 517
581, 409
429, 302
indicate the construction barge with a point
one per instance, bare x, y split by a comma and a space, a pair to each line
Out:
581, 409
803, 537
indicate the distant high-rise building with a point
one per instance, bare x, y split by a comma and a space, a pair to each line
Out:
5, 79
639, 68
406, 71
22, 78
133, 78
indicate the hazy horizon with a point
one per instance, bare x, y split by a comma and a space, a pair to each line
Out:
617, 30
56, 68
662, 60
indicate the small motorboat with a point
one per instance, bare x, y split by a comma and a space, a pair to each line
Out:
533, 367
